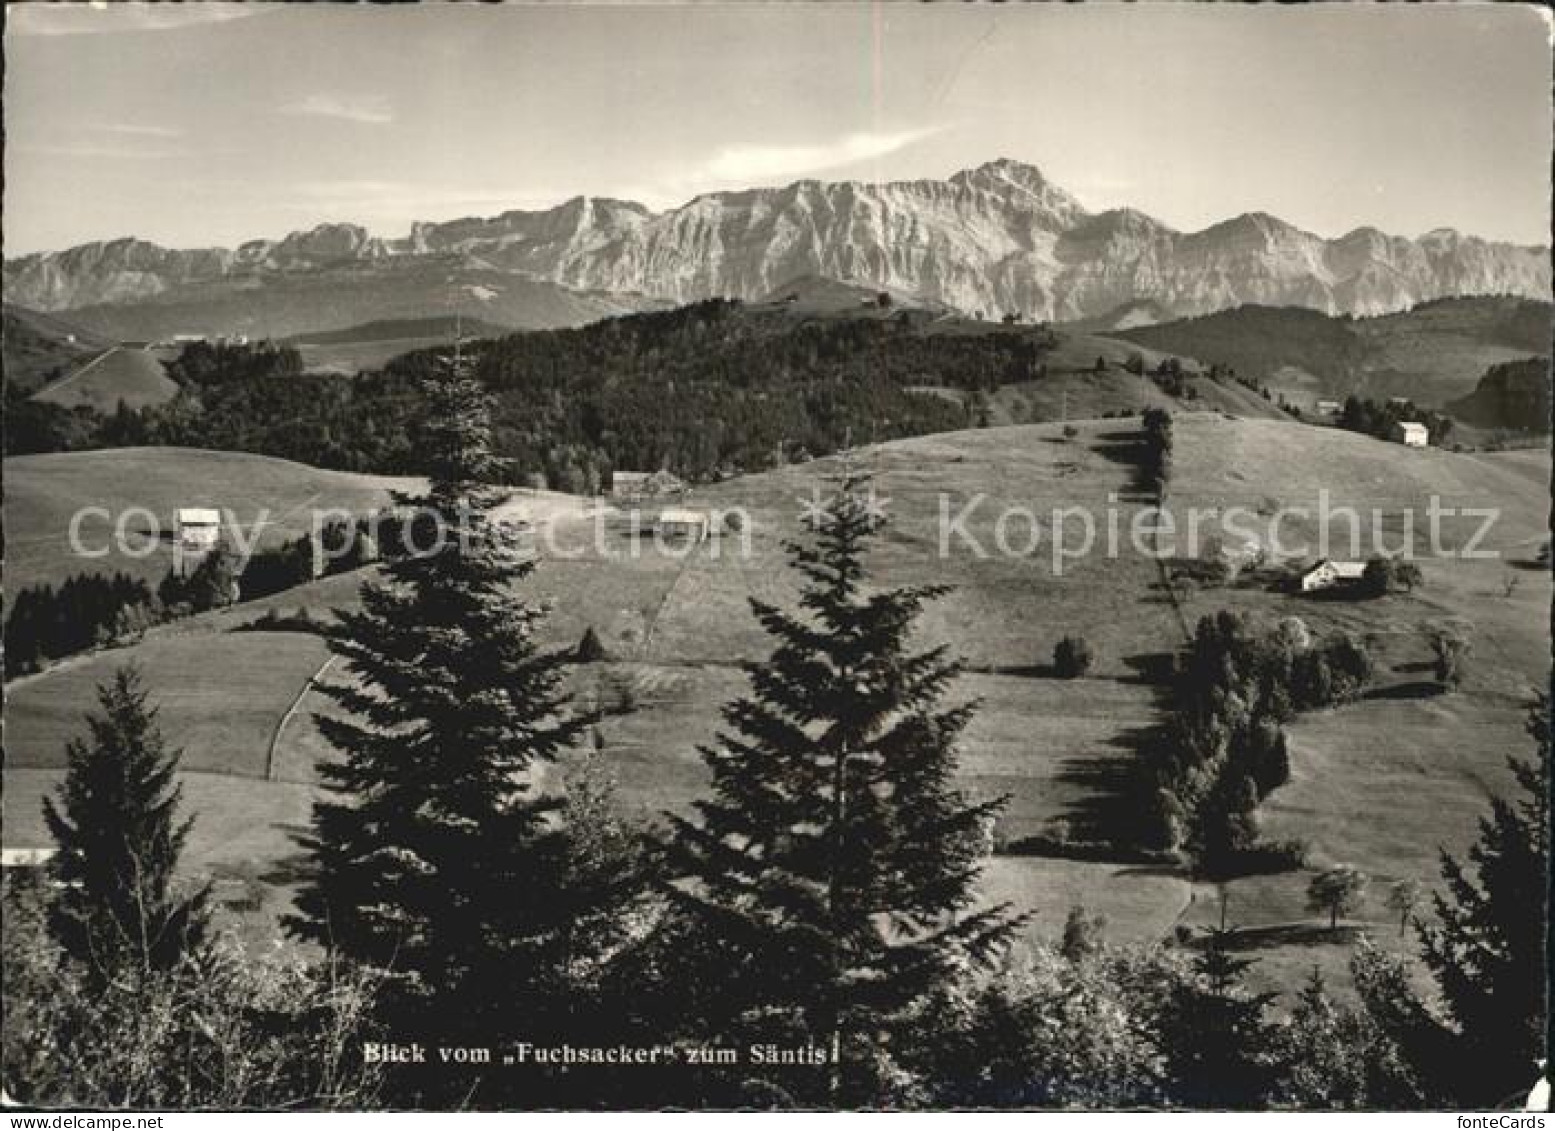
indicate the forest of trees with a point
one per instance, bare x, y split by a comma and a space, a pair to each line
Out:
703, 391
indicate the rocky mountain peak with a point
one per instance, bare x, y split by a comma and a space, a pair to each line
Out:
1000, 236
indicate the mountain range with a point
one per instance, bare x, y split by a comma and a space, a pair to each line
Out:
995, 239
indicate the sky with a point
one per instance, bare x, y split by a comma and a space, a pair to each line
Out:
207, 124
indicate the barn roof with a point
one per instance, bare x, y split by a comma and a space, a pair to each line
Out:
680, 515
199, 516
26, 857
1350, 570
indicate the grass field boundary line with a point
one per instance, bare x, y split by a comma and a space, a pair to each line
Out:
280, 727
653, 622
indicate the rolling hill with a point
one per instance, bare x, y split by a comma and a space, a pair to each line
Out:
441, 328
38, 348
129, 376
1378, 783
346, 293
359, 349
270, 496
1514, 395
1431, 354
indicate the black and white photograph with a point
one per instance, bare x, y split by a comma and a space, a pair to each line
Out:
776, 557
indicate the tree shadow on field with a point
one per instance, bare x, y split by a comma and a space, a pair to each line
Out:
1019, 671
1127, 449
1151, 669
1413, 690
1112, 783
1108, 810
1291, 934
292, 869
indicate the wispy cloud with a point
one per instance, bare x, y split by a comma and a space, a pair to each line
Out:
104, 18
136, 129
751, 163
366, 109
745, 166
93, 151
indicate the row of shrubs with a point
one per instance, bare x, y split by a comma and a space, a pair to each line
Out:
1225, 749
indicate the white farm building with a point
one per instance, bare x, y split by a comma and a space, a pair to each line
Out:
1327, 574
682, 523
1411, 433
198, 528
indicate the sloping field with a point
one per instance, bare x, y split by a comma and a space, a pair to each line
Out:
1378, 783
1431, 354
220, 695
131, 377
271, 496
1382, 783
38, 347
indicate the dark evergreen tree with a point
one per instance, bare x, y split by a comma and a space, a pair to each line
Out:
1217, 1041
1486, 949
1329, 1057
591, 650
830, 875
433, 857
115, 821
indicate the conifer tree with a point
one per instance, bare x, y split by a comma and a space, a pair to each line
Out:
433, 857
1216, 1043
1329, 1057
830, 874
1486, 949
115, 821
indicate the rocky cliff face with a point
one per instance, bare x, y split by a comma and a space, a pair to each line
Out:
997, 238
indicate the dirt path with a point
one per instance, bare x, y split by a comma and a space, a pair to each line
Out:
296, 704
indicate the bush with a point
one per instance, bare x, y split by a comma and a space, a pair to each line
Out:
590, 650
235, 1030
1072, 657
1450, 654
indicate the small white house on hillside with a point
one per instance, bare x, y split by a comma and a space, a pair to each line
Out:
199, 528
628, 484
681, 523
27, 857
1326, 574
1411, 433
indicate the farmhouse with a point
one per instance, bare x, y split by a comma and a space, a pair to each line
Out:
628, 484
682, 523
1411, 433
1327, 574
1329, 408
26, 857
199, 528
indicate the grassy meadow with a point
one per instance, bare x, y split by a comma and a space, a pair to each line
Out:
1379, 783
